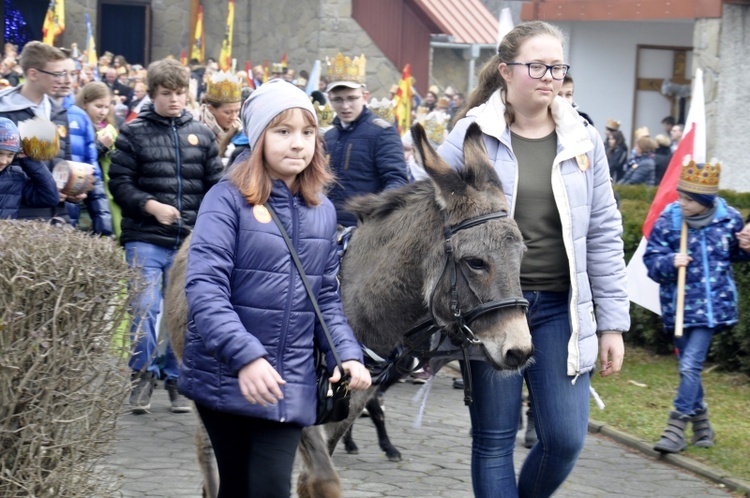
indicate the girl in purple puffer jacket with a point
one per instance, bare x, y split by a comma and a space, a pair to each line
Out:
248, 360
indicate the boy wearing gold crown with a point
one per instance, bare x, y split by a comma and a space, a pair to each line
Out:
710, 304
365, 151
221, 110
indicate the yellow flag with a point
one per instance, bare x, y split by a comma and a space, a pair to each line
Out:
225, 57
54, 21
403, 99
198, 38
91, 57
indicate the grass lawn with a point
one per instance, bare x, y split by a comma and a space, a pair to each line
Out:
639, 399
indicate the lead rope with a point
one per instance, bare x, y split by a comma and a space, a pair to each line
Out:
467, 377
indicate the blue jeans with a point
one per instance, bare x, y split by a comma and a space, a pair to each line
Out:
561, 410
153, 262
692, 349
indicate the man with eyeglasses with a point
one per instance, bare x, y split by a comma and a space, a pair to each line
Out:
44, 72
365, 151
83, 148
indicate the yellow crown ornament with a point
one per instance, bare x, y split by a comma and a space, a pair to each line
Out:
343, 71
435, 124
40, 138
325, 114
223, 88
699, 178
383, 109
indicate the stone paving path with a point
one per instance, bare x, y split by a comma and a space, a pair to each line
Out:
155, 457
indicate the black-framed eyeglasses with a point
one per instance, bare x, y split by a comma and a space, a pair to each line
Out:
61, 75
537, 70
347, 100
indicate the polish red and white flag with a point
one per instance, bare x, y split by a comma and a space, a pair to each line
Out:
641, 289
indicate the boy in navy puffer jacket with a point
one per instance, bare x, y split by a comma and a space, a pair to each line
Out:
30, 181
710, 304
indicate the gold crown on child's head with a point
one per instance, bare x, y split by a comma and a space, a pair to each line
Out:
344, 69
383, 109
699, 178
324, 113
223, 88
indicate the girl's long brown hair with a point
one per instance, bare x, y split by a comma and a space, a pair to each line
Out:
92, 91
254, 182
489, 76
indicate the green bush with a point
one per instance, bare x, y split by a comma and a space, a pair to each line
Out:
729, 350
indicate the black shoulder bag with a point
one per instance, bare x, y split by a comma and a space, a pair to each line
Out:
333, 399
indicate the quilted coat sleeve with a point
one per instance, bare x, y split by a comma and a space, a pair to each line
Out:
123, 176
329, 301
604, 248
40, 190
390, 159
660, 251
214, 168
208, 282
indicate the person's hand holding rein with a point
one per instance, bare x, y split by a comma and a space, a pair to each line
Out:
359, 375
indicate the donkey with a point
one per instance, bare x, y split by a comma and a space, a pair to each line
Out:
441, 252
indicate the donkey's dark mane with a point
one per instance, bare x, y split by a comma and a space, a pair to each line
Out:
379, 207
383, 205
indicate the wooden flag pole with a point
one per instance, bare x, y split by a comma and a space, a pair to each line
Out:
680, 309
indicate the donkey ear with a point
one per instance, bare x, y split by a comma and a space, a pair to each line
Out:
426, 155
478, 168
474, 151
445, 178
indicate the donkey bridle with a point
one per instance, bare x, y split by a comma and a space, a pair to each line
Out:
417, 341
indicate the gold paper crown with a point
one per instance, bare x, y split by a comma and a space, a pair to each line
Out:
613, 124
699, 178
277, 68
434, 126
223, 88
383, 109
344, 69
40, 138
642, 132
324, 113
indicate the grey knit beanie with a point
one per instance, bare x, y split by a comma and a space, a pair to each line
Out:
267, 102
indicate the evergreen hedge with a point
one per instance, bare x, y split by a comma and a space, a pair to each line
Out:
729, 350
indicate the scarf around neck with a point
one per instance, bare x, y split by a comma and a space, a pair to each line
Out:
701, 220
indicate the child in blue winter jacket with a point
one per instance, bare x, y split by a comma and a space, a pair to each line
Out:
31, 183
710, 304
248, 360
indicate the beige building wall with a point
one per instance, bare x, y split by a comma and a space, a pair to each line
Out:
732, 116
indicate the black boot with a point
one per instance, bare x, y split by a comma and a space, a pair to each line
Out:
703, 433
673, 438
529, 438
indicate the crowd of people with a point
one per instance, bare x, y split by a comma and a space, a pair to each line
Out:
180, 151
647, 161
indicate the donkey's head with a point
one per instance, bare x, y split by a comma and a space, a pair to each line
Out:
472, 283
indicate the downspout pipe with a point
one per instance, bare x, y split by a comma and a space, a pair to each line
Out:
474, 51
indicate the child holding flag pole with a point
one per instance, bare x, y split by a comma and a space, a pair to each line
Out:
689, 254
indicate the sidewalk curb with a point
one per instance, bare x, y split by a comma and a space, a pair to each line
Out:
711, 473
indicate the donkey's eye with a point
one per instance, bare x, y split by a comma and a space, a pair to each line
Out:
476, 264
